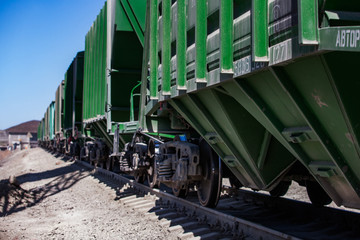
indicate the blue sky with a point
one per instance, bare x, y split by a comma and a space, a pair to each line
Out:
38, 41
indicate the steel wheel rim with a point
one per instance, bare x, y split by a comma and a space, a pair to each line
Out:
208, 189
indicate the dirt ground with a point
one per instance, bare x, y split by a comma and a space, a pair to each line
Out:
4, 154
59, 200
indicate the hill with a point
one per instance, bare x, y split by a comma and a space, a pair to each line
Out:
30, 126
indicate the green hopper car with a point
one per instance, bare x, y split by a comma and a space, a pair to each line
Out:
48, 129
73, 95
270, 85
40, 132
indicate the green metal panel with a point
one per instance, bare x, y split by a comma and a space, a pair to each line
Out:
260, 40
50, 122
59, 99
126, 61
40, 132
181, 45
226, 31
200, 40
95, 69
308, 22
302, 107
166, 47
112, 65
236, 136
47, 124
135, 11
153, 49
73, 93
43, 130
340, 38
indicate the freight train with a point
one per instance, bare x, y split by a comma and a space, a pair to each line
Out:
188, 92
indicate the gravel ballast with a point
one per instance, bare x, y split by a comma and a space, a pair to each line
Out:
58, 199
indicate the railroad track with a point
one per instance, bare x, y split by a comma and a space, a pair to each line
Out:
240, 214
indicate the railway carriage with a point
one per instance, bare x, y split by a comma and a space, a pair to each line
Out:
72, 108
187, 92
47, 136
59, 114
40, 133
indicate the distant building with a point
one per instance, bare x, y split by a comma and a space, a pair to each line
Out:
22, 136
22, 140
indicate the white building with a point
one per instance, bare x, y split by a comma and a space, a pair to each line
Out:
21, 139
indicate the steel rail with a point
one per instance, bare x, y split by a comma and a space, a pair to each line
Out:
237, 226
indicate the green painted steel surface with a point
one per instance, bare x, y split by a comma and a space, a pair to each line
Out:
340, 38
49, 129
112, 66
153, 49
166, 46
259, 38
52, 121
298, 104
39, 130
94, 96
59, 101
43, 129
73, 94
181, 45
308, 22
226, 31
125, 61
200, 40
40, 133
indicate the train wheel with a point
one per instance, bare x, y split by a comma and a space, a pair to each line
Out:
182, 193
139, 178
152, 177
281, 189
151, 172
317, 194
208, 189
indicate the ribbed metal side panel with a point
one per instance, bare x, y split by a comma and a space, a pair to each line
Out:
46, 127
113, 61
50, 122
94, 94
73, 93
59, 99
42, 129
40, 132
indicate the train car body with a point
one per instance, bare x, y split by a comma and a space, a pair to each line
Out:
73, 95
59, 114
268, 84
49, 125
113, 62
40, 132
